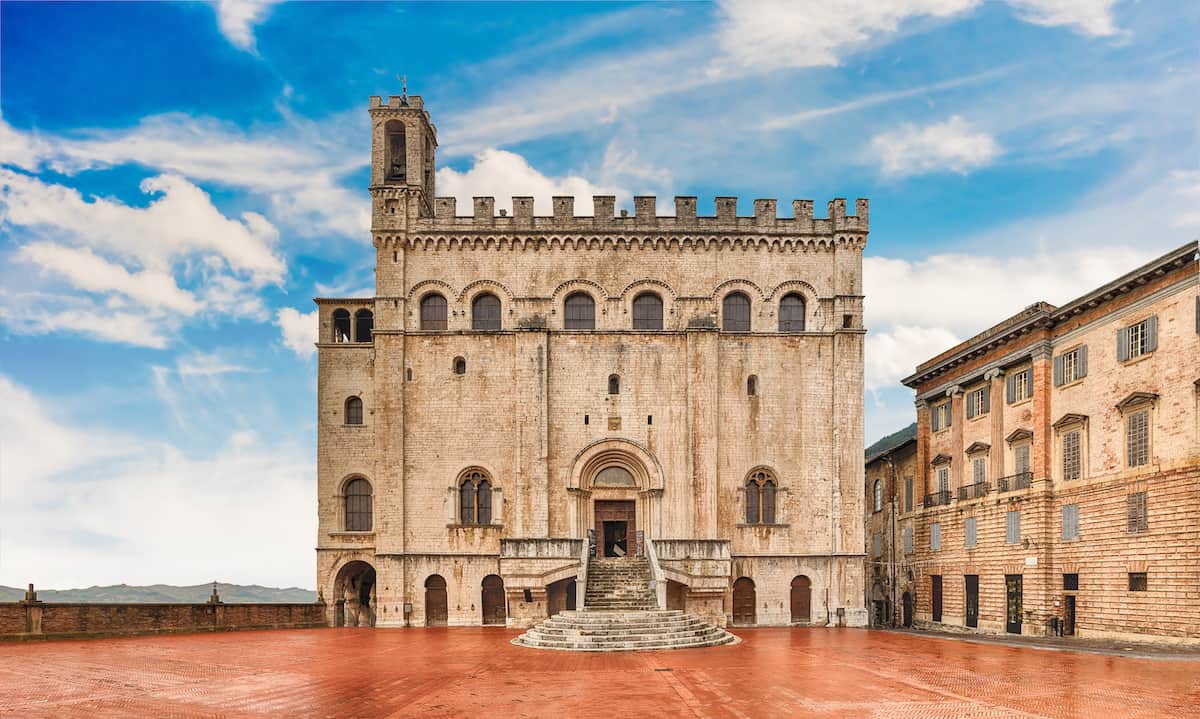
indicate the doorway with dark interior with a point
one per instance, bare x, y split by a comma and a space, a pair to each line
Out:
616, 528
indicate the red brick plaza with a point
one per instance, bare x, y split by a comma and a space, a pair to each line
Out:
476, 672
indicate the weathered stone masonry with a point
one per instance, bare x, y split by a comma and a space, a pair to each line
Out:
528, 406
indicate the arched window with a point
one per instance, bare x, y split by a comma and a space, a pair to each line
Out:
614, 384
397, 160
647, 312
735, 313
878, 495
475, 499
485, 312
358, 505
579, 312
760, 498
433, 312
460, 365
791, 313
341, 325
354, 413
364, 324
752, 385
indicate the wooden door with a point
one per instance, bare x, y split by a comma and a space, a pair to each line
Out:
744, 602
936, 596
1069, 615
493, 600
610, 512
1013, 590
802, 599
908, 609
436, 606
972, 586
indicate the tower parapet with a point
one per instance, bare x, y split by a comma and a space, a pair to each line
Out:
765, 219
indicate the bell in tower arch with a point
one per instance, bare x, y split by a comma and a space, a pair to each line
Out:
397, 162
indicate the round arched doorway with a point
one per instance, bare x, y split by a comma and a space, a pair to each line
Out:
354, 595
744, 602
436, 605
801, 600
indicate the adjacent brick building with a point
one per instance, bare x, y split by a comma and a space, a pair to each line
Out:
683, 386
1059, 456
890, 489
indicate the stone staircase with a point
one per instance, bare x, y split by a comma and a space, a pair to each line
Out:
621, 614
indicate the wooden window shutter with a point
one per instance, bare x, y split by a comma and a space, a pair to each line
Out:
935, 418
484, 493
948, 410
1010, 388
971, 405
987, 398
1151, 333
1058, 371
1122, 344
1198, 315
1082, 363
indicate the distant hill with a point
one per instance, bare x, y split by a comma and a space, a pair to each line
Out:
892, 440
126, 594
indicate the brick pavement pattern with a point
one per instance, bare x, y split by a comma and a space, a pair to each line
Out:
441, 672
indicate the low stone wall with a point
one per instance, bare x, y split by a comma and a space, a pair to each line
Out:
55, 620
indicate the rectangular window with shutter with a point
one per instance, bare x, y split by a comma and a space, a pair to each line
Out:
1021, 458
908, 494
1070, 522
1019, 386
943, 480
1070, 455
876, 545
1136, 519
1013, 527
1137, 438
979, 470
908, 542
970, 532
977, 402
1070, 366
935, 537
935, 418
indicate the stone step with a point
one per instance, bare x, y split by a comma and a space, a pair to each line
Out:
625, 647
626, 630
603, 633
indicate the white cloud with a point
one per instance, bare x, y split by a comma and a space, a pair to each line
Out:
201, 364
84, 505
237, 18
90, 273
890, 355
299, 330
1087, 17
953, 145
180, 222
115, 272
765, 35
299, 169
499, 170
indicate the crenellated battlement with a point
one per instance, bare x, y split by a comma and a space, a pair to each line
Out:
645, 217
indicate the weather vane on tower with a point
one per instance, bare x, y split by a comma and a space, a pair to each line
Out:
403, 88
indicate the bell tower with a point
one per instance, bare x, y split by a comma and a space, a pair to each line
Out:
403, 145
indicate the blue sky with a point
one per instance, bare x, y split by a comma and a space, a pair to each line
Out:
178, 180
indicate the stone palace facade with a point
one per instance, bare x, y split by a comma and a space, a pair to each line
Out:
525, 392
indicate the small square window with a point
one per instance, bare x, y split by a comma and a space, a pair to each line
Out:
1137, 581
1071, 582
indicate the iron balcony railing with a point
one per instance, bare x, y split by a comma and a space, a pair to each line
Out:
974, 491
1020, 480
937, 498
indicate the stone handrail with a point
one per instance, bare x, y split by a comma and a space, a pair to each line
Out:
658, 582
585, 555
536, 547
692, 549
